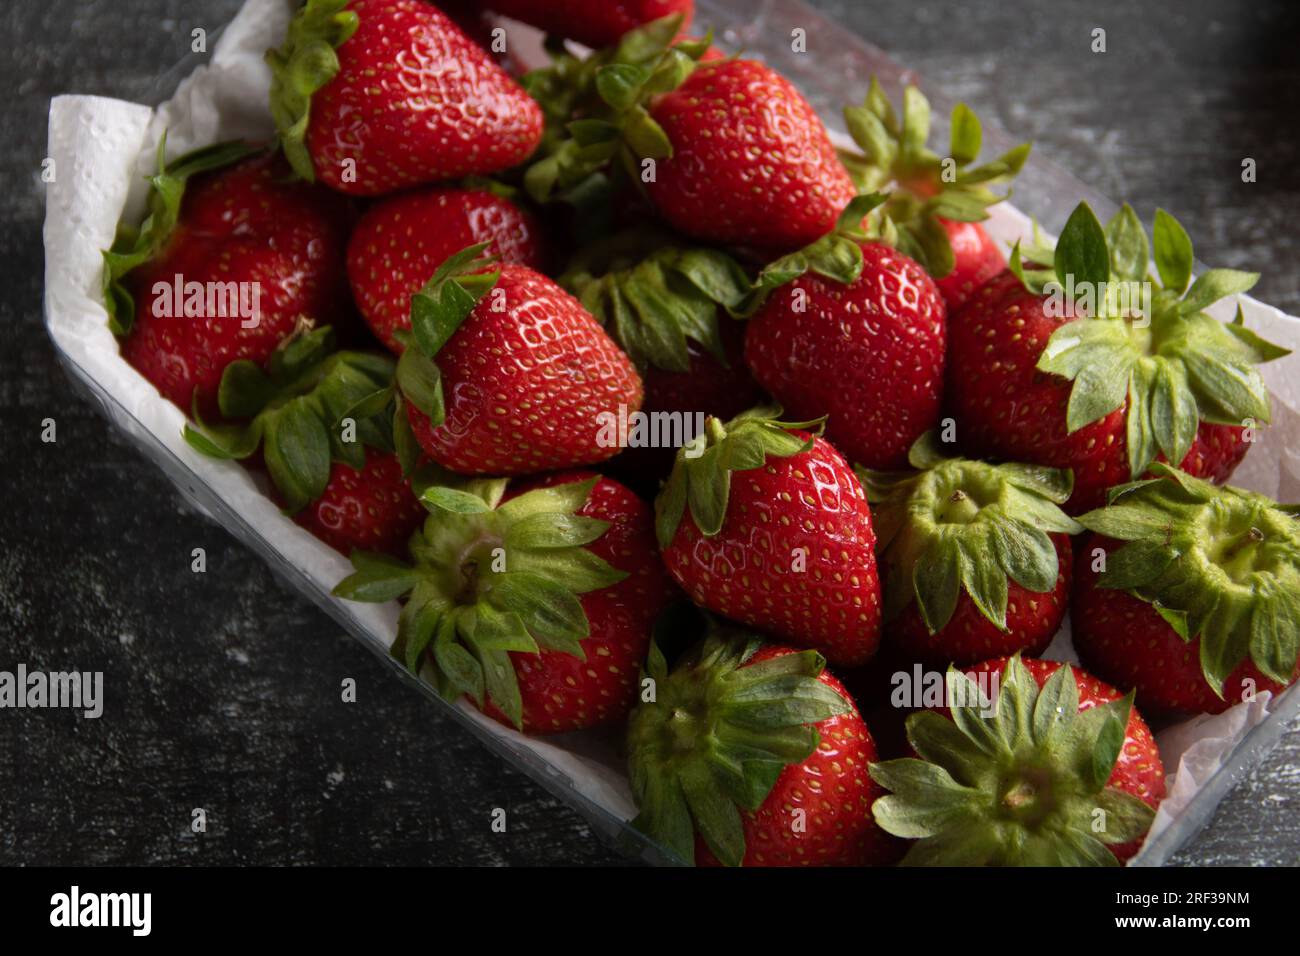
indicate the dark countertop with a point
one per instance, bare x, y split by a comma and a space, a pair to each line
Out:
222, 689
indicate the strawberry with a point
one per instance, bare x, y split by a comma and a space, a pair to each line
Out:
1060, 771
1055, 367
537, 604
766, 523
1190, 594
975, 558
372, 96
867, 353
323, 421
937, 202
748, 755
525, 379
400, 242
742, 158
229, 259
595, 23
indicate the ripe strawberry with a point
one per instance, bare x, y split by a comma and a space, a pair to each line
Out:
400, 242
936, 202
1196, 608
525, 379
537, 604
263, 252
753, 756
975, 558
868, 354
744, 159
1028, 382
371, 508
595, 23
1027, 781
373, 96
767, 524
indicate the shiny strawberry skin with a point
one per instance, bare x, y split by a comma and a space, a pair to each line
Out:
1005, 408
1125, 640
595, 23
562, 692
869, 354
524, 387
752, 164
371, 510
1138, 771
1032, 621
976, 260
400, 242
812, 502
834, 789
415, 100
248, 223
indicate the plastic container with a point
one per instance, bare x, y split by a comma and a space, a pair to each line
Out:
91, 137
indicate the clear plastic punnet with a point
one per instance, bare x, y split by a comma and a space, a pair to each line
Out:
104, 148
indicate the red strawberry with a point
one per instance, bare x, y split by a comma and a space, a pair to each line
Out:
1029, 780
936, 202
262, 252
372, 508
976, 260
754, 756
868, 354
538, 605
373, 96
749, 163
400, 242
1029, 383
767, 524
975, 558
595, 23
1195, 609
525, 379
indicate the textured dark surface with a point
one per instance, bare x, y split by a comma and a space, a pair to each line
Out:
223, 688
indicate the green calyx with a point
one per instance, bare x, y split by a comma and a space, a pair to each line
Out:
701, 475
489, 577
710, 740
1218, 564
303, 64
654, 296
133, 247
437, 311
955, 524
309, 407
597, 108
1143, 343
1022, 783
928, 187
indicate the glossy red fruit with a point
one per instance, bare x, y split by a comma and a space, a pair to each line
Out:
372, 509
525, 387
1032, 621
976, 260
869, 354
1138, 770
1126, 641
595, 23
414, 101
400, 242
752, 163
834, 790
794, 557
247, 224
562, 692
1006, 408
